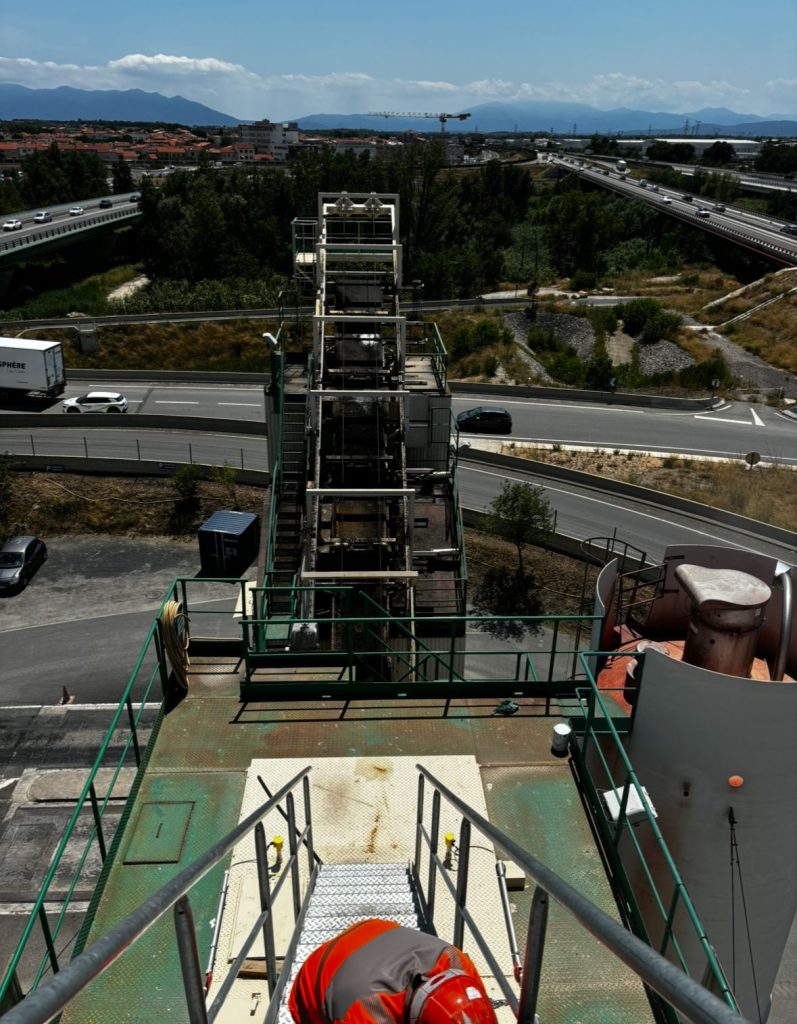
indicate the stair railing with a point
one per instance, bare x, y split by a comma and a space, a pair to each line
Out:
684, 994
50, 999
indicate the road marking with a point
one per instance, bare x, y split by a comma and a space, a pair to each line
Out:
162, 401
636, 512
756, 418
253, 405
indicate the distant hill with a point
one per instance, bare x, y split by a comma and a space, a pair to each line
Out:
67, 104
562, 118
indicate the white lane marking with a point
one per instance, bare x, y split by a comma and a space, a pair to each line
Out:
252, 405
756, 418
633, 511
720, 419
162, 401
530, 403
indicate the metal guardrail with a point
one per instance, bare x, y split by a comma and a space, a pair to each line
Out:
678, 990
49, 1000
599, 722
65, 228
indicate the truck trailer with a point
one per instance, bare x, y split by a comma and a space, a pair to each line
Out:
31, 367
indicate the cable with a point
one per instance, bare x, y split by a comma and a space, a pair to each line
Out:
176, 638
735, 859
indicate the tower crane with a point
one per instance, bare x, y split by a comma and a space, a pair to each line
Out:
442, 118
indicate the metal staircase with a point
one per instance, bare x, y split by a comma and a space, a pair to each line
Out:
345, 894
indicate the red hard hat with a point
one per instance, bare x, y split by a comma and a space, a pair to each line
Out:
451, 997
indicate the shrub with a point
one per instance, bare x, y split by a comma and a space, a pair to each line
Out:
583, 280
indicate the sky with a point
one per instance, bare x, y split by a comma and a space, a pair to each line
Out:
256, 59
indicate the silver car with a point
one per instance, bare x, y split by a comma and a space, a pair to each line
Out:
96, 401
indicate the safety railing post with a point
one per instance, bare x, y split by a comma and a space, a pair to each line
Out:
532, 961
434, 833
95, 810
133, 731
418, 826
308, 823
48, 939
297, 902
264, 885
189, 961
462, 882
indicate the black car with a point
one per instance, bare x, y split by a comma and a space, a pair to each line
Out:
105, 204
485, 419
20, 557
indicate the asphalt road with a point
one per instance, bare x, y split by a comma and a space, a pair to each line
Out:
728, 432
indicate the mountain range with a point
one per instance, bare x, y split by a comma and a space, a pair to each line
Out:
67, 104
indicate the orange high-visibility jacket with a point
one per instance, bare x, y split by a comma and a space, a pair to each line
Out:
365, 974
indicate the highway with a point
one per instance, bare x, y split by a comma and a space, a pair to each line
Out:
727, 432
730, 431
751, 230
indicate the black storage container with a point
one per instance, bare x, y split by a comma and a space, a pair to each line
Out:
228, 542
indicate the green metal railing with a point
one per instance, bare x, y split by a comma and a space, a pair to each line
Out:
599, 729
430, 343
123, 746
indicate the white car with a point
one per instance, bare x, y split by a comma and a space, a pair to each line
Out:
43, 217
666, 199
96, 401
76, 211
12, 225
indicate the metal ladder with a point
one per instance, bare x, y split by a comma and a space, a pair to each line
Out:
345, 894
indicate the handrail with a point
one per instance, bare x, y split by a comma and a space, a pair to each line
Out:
698, 1004
631, 781
49, 1000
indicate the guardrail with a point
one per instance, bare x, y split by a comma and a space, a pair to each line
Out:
143, 421
658, 498
581, 395
83, 223
782, 254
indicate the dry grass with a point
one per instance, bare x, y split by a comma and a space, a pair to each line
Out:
561, 581
690, 290
212, 345
44, 504
766, 493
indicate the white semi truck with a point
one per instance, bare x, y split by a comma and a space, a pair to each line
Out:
31, 367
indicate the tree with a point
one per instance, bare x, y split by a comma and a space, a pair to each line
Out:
520, 514
718, 154
122, 176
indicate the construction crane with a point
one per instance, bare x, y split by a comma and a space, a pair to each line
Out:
442, 118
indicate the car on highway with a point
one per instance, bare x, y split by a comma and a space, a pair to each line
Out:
666, 199
643, 183
105, 204
789, 229
20, 557
43, 217
75, 211
702, 211
687, 197
12, 224
719, 207
655, 188
485, 419
96, 401
135, 197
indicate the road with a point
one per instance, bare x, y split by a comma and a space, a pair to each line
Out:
738, 225
728, 432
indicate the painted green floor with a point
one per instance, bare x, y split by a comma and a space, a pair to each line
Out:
194, 785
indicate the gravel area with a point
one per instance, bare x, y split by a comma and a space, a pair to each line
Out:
751, 371
663, 357
575, 330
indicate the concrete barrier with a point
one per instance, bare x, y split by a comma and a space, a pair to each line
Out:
126, 467
170, 376
495, 391
138, 421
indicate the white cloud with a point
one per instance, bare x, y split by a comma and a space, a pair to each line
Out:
238, 91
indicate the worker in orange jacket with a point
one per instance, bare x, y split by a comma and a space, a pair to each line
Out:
377, 972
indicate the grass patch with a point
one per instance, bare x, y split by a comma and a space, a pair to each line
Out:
89, 297
73, 503
224, 345
767, 493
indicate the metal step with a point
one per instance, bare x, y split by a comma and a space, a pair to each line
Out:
345, 894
